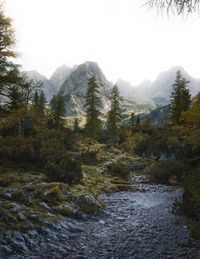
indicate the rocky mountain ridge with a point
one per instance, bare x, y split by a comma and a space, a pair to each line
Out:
158, 92
50, 86
75, 87
71, 83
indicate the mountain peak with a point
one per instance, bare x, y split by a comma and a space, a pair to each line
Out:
75, 87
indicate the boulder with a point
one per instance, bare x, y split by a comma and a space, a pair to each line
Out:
88, 204
66, 209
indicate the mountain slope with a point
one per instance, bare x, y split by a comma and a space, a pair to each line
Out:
75, 87
60, 75
50, 86
158, 92
37, 77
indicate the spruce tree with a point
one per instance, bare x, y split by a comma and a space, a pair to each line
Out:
35, 100
15, 101
114, 115
180, 98
57, 107
41, 102
7, 41
93, 106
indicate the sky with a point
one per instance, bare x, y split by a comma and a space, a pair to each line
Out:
126, 39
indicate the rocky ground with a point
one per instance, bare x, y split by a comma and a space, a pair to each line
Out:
137, 224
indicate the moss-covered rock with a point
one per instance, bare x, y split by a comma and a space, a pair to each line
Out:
66, 209
88, 204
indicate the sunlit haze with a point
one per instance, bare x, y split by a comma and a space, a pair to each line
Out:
123, 37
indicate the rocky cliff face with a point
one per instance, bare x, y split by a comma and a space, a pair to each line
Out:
60, 75
50, 86
75, 87
47, 87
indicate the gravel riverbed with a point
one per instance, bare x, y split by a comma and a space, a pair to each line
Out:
134, 225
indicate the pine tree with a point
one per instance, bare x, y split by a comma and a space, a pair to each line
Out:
180, 98
41, 102
13, 85
9, 72
15, 101
114, 115
7, 41
57, 107
93, 105
35, 100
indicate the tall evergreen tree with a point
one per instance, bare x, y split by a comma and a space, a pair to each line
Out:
41, 101
15, 100
13, 85
35, 100
93, 105
9, 73
180, 98
7, 41
57, 107
114, 115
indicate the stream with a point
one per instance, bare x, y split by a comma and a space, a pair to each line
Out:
133, 225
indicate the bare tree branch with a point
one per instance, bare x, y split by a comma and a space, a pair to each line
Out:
176, 7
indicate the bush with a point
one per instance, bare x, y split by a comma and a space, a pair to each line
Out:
194, 227
191, 195
68, 171
118, 169
162, 171
18, 149
89, 157
62, 135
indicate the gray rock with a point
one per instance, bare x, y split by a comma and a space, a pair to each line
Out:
43, 205
66, 209
88, 204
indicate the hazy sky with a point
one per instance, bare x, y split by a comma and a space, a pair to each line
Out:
125, 39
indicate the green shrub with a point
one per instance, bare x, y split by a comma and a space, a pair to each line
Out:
162, 171
62, 135
67, 170
118, 169
52, 150
194, 227
18, 149
191, 195
89, 157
